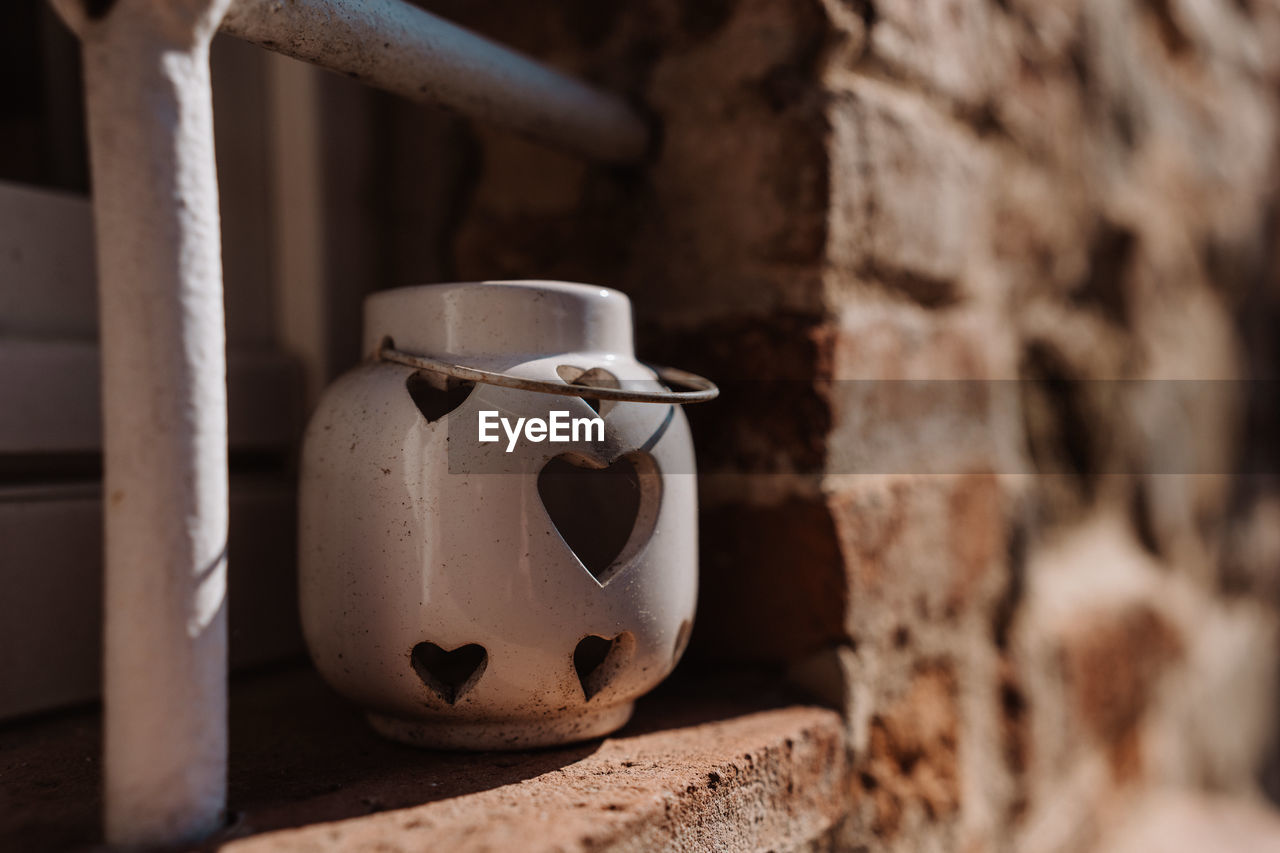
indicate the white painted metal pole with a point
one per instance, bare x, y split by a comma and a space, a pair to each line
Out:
398, 47
155, 201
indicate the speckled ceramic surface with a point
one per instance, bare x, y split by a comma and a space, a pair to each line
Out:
472, 596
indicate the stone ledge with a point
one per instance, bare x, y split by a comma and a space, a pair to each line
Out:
717, 767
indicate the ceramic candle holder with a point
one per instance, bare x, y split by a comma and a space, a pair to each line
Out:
491, 595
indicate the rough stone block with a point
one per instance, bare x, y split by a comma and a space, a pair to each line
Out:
957, 48
924, 557
910, 773
917, 392
910, 209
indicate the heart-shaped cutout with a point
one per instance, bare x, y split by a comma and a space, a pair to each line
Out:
605, 514
449, 674
436, 395
595, 377
598, 660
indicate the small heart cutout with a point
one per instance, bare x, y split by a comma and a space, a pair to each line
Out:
598, 660
595, 377
449, 674
604, 514
436, 395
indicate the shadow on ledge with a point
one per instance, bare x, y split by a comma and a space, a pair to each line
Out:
301, 755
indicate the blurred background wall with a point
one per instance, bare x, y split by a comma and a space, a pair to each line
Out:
1050, 592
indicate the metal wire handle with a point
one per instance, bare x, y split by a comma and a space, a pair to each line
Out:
700, 389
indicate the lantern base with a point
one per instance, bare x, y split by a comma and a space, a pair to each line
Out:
503, 734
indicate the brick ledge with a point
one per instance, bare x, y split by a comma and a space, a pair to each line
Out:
717, 767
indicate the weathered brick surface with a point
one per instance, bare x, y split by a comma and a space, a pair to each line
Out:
730, 215
1017, 605
910, 763
959, 49
731, 765
1122, 663
911, 201
1112, 663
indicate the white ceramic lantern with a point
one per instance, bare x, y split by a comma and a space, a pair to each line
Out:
504, 593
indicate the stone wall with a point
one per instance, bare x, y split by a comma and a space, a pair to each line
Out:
1035, 592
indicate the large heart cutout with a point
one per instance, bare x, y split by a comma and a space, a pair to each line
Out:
449, 674
605, 514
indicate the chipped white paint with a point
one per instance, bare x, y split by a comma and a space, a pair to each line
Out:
414, 532
155, 203
398, 47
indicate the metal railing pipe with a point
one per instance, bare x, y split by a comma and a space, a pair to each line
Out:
164, 407
394, 46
